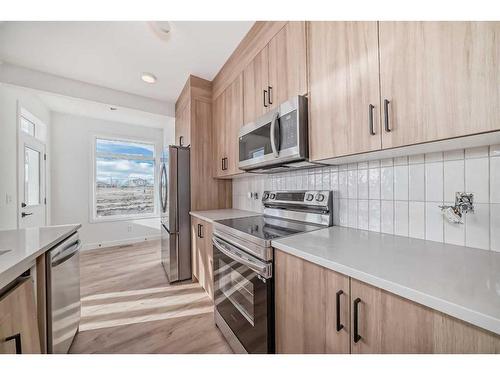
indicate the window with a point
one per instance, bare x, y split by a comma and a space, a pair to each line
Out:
124, 179
27, 126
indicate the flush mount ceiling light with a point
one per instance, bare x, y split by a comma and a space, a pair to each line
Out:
162, 29
148, 77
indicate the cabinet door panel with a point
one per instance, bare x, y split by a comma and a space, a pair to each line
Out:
287, 63
18, 316
195, 254
209, 259
233, 122
305, 307
343, 82
255, 81
219, 140
182, 125
441, 78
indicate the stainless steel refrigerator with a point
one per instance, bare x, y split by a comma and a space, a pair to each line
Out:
175, 201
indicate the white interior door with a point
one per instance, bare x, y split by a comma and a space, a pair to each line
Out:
31, 166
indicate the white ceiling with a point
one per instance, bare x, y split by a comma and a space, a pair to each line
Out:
114, 54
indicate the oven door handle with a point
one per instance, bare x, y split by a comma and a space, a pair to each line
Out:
275, 149
264, 269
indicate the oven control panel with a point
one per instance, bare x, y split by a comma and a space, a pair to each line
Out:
302, 197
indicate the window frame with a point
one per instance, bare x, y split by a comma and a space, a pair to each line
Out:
93, 218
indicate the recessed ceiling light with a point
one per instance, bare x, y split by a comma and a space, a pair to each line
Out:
148, 77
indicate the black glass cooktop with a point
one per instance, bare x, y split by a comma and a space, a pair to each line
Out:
268, 228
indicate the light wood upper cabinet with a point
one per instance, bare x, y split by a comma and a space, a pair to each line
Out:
228, 119
182, 125
18, 318
442, 79
287, 64
255, 86
343, 82
306, 302
388, 323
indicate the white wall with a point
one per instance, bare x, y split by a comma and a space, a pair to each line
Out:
10, 96
402, 195
71, 138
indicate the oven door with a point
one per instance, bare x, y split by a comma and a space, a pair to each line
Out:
244, 296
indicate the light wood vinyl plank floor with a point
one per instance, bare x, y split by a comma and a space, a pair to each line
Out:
128, 306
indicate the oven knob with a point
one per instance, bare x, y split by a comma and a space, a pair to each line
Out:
273, 196
266, 195
320, 197
309, 197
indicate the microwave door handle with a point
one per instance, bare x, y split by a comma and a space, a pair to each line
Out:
272, 135
263, 270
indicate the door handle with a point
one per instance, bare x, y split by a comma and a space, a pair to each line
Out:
370, 119
264, 98
386, 115
339, 325
23, 214
356, 335
270, 95
17, 338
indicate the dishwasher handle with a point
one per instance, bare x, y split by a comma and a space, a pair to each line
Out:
67, 253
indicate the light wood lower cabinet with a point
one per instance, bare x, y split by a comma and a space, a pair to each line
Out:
391, 324
202, 254
306, 307
18, 320
380, 322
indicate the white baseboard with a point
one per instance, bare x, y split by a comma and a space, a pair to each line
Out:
127, 241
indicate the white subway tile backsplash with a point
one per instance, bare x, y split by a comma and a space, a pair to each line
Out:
363, 214
477, 227
401, 182
434, 182
352, 213
453, 174
374, 215
476, 152
416, 159
352, 184
362, 183
495, 150
416, 182
495, 227
401, 195
453, 155
401, 218
495, 180
386, 162
477, 179
416, 225
387, 183
374, 183
433, 157
387, 217
454, 233
402, 160
433, 222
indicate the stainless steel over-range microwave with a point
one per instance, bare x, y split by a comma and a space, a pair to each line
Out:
278, 138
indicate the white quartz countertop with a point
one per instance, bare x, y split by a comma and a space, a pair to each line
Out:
25, 245
214, 215
456, 280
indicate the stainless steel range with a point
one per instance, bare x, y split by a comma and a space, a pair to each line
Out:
243, 264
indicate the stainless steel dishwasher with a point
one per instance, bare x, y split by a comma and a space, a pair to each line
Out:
63, 294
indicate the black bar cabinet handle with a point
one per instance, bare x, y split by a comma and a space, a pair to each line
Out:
224, 164
264, 98
181, 139
386, 115
370, 118
17, 338
270, 95
201, 230
357, 336
339, 325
